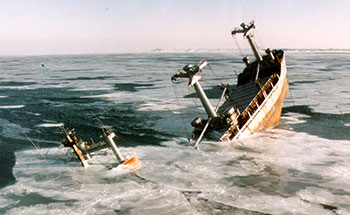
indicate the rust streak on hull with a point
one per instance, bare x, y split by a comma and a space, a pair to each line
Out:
268, 113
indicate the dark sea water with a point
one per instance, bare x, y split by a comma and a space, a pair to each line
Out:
300, 167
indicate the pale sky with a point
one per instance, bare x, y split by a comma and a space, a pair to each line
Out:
36, 27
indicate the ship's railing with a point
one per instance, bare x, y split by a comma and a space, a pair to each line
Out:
253, 106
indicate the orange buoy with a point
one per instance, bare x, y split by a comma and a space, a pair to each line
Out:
132, 164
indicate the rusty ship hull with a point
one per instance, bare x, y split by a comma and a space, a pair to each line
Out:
263, 111
254, 104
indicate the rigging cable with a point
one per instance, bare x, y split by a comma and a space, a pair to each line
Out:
195, 103
239, 48
213, 73
221, 84
181, 105
260, 40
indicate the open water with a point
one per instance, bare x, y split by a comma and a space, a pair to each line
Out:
300, 167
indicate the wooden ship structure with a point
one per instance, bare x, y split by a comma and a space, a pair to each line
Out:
255, 103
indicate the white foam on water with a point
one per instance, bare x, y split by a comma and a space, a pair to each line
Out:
49, 125
251, 175
1, 97
161, 105
293, 118
90, 89
277, 172
11, 106
26, 87
107, 95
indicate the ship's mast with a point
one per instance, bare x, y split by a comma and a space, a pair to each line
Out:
193, 74
204, 99
245, 28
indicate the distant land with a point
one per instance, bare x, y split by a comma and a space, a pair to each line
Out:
218, 50
189, 50
161, 50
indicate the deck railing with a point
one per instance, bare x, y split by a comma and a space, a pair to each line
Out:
253, 106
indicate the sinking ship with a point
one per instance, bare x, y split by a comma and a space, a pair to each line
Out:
83, 149
254, 104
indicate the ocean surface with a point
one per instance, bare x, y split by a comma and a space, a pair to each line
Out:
300, 167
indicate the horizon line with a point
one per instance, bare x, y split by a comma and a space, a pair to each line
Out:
188, 50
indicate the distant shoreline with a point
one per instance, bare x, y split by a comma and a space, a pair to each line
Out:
202, 50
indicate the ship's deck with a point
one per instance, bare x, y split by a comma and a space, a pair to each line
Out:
241, 96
